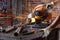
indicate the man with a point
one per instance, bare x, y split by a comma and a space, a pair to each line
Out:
41, 14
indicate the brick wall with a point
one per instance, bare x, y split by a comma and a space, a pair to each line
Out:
56, 9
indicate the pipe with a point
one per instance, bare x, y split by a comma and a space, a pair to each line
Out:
8, 29
17, 31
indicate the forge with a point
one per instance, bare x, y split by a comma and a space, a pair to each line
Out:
29, 20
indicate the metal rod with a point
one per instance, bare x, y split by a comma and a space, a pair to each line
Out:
17, 31
8, 29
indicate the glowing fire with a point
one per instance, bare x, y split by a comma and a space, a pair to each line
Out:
37, 17
33, 20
